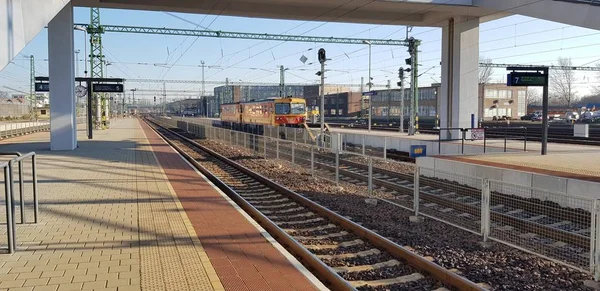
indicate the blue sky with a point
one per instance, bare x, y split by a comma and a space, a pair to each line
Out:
514, 39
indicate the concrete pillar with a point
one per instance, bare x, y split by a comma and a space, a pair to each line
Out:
61, 66
458, 97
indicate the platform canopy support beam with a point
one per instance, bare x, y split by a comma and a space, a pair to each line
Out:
458, 101
61, 66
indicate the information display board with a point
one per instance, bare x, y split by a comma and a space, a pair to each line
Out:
107, 88
526, 79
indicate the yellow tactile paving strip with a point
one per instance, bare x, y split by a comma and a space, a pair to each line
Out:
109, 221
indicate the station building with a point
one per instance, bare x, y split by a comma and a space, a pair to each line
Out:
501, 101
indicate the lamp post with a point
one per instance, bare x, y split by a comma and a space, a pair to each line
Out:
77, 51
282, 81
370, 84
133, 96
84, 48
203, 66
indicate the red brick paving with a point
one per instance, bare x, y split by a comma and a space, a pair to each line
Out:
241, 256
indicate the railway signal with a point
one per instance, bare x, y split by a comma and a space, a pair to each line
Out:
322, 58
401, 84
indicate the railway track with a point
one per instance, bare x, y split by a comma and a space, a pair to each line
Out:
341, 253
564, 233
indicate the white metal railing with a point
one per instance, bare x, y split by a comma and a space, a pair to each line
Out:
560, 227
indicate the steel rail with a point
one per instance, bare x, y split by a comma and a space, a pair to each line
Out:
416, 261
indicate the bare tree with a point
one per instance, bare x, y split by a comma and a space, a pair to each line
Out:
485, 72
532, 97
4, 94
562, 82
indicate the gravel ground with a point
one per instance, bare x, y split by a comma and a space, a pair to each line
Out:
394, 166
500, 266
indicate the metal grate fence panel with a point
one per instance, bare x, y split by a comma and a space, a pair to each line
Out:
452, 198
551, 224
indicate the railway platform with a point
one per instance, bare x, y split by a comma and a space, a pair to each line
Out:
125, 212
573, 173
403, 141
582, 165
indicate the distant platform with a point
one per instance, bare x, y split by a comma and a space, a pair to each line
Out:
573, 173
576, 163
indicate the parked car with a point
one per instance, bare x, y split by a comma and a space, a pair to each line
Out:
529, 116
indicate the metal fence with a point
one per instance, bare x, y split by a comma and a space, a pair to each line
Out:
9, 194
489, 135
8, 130
560, 227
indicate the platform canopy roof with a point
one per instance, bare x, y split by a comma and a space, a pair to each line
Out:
392, 12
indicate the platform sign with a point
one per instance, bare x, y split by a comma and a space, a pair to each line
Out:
418, 151
371, 93
526, 79
108, 88
42, 87
477, 133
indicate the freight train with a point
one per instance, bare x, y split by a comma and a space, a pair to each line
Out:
253, 116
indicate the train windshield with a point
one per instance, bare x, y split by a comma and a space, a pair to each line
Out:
290, 108
298, 108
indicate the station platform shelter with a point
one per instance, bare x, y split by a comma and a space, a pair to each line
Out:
125, 212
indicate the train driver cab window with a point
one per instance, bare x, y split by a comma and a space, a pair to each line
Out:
282, 108
298, 108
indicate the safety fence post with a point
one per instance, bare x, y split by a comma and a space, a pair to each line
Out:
417, 190
277, 148
312, 160
363, 144
370, 176
265, 146
595, 240
485, 209
337, 166
385, 147
293, 146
